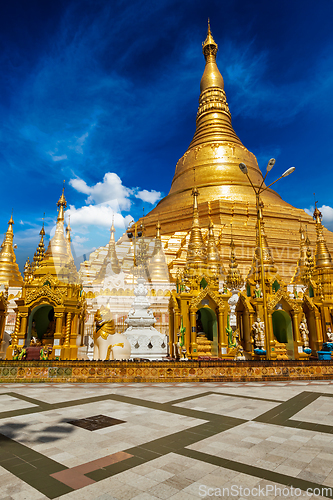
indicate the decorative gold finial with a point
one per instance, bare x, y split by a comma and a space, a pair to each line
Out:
209, 46
158, 229
211, 76
42, 231
317, 215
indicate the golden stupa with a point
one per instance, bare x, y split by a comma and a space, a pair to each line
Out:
9, 270
211, 165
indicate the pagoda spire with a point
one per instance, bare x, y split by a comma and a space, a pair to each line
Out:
158, 269
300, 270
196, 250
309, 261
40, 252
112, 254
27, 270
56, 258
158, 241
323, 257
211, 76
69, 239
9, 270
234, 279
269, 266
213, 255
215, 150
111, 259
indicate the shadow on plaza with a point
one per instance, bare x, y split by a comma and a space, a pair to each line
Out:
21, 432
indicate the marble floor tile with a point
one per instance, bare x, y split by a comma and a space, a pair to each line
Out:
180, 436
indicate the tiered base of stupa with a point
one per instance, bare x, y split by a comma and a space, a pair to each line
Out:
282, 225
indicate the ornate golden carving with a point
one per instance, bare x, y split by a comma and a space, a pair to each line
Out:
55, 296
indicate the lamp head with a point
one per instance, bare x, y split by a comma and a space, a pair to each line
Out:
243, 168
288, 172
270, 164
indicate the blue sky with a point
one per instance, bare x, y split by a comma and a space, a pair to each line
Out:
104, 94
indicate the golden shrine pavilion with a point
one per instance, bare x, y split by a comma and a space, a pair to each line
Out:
227, 278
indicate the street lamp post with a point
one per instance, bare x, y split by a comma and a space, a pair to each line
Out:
258, 192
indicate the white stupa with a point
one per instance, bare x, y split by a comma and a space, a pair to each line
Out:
145, 340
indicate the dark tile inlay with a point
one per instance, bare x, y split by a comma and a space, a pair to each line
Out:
96, 422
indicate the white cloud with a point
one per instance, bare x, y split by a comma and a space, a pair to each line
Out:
96, 215
79, 143
59, 158
111, 189
80, 185
327, 213
148, 196
79, 239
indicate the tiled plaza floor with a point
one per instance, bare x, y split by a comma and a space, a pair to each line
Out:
161, 441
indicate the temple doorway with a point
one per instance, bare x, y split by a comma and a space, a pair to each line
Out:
283, 331
41, 324
206, 319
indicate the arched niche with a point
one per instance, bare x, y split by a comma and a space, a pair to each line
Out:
209, 324
41, 315
283, 331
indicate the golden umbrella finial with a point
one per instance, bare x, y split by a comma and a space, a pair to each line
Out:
11, 220
317, 215
209, 46
42, 231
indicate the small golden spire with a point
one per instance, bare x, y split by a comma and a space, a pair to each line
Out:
213, 256
270, 269
317, 215
27, 271
309, 262
158, 228
68, 230
322, 257
62, 204
158, 269
9, 270
196, 250
112, 230
110, 259
58, 260
158, 242
300, 270
40, 252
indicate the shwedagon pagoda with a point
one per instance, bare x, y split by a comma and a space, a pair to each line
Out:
208, 273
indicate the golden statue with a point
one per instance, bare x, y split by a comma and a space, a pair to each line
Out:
103, 328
